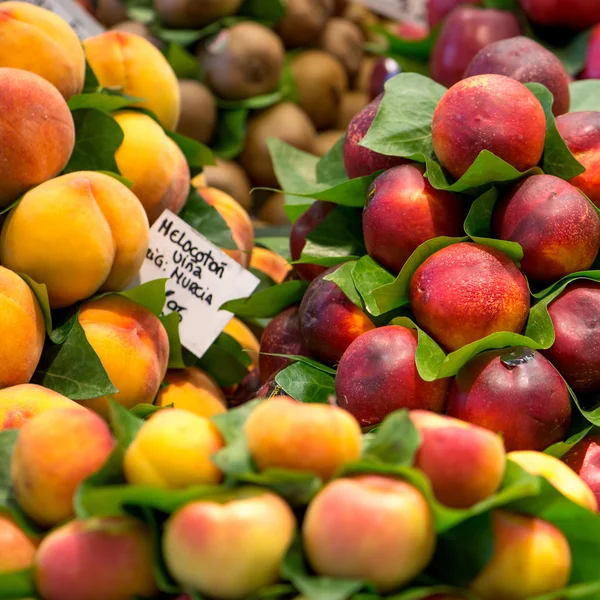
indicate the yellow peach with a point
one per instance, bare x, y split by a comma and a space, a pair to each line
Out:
273, 265
16, 549
244, 337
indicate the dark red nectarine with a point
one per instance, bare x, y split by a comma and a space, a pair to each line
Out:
591, 69
584, 459
574, 14
384, 68
438, 10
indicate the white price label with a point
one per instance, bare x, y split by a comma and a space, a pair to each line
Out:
399, 10
201, 279
76, 16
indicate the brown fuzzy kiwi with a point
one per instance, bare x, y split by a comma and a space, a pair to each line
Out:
272, 213
363, 17
285, 121
352, 103
229, 177
191, 14
303, 21
362, 82
339, 6
326, 140
344, 40
110, 12
243, 61
198, 111
321, 82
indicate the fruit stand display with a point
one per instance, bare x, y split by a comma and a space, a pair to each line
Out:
419, 419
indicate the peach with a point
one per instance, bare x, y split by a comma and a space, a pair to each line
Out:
240, 332
369, 527
22, 329
133, 65
198, 542
575, 352
358, 160
591, 69
581, 132
309, 221
153, 163
78, 234
471, 284
238, 221
133, 346
558, 229
20, 403
516, 393
37, 131
312, 438
378, 375
403, 211
329, 320
488, 112
438, 10
575, 14
525, 60
37, 40
281, 336
464, 463
270, 263
102, 558
562, 477
193, 390
17, 550
584, 459
54, 453
173, 451
531, 557
383, 70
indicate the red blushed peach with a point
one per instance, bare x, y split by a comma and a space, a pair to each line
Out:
469, 284
369, 527
16, 549
312, 438
329, 320
516, 393
581, 132
575, 14
488, 112
525, 60
313, 217
464, 33
378, 375
531, 557
281, 336
358, 160
403, 211
556, 226
105, 558
438, 10
592, 61
384, 69
270, 263
199, 539
584, 459
575, 352
464, 463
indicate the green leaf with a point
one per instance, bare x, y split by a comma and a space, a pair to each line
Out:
419, 50
304, 359
402, 126
206, 220
342, 277
185, 64
73, 368
197, 155
585, 95
124, 423
279, 245
557, 159
226, 361
509, 5
368, 276
17, 585
572, 55
337, 239
231, 133
297, 175
145, 411
331, 169
41, 293
306, 383
263, 10
97, 138
91, 83
171, 324
101, 101
268, 303
151, 295
561, 448
254, 102
297, 487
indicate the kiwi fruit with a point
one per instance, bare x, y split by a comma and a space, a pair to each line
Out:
352, 103
110, 12
344, 40
198, 111
272, 213
360, 15
303, 21
326, 140
362, 80
229, 177
192, 14
243, 61
285, 121
339, 6
321, 82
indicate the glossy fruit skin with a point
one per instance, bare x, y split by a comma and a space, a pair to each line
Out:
592, 61
383, 70
584, 459
575, 14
